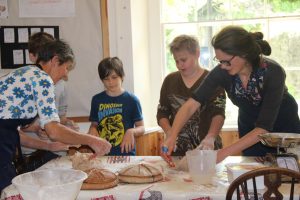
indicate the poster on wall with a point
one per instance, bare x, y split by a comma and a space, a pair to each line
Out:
46, 8
3, 9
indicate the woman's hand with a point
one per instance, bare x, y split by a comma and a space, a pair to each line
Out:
71, 124
57, 146
100, 146
127, 144
42, 134
168, 145
208, 143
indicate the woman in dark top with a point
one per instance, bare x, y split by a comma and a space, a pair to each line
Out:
254, 83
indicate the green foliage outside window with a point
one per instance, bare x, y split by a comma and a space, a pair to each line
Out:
277, 19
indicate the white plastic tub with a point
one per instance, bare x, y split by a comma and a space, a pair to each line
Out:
52, 184
234, 170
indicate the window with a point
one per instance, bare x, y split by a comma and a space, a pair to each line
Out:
279, 20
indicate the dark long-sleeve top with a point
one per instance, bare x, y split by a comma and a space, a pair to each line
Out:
173, 95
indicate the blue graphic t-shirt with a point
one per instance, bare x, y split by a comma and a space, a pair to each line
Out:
114, 116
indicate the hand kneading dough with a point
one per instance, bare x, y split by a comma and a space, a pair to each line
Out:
82, 161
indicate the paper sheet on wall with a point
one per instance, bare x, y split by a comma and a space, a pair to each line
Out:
35, 30
3, 9
9, 35
18, 57
46, 8
23, 35
49, 30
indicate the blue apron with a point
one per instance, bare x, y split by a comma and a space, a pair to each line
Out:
9, 143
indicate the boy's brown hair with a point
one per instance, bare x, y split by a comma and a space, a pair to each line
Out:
109, 65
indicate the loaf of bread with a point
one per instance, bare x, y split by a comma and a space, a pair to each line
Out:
140, 173
82, 161
99, 179
79, 148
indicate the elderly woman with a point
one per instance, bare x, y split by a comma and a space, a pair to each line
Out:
29, 91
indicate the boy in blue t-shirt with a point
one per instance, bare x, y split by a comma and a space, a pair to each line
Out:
116, 114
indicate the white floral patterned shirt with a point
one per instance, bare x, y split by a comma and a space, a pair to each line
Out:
26, 92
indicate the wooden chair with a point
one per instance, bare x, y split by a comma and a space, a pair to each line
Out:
272, 181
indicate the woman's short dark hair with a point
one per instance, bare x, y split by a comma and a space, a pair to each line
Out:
235, 40
57, 48
109, 65
37, 40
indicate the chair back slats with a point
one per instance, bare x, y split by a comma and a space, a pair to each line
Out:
272, 182
292, 189
238, 194
254, 189
245, 190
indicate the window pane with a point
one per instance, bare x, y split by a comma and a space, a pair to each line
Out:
247, 9
285, 41
237, 9
283, 7
180, 10
214, 10
284, 38
293, 82
279, 20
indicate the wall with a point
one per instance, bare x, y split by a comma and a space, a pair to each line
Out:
120, 36
129, 25
134, 32
83, 33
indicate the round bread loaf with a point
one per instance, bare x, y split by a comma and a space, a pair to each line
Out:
83, 162
140, 173
99, 179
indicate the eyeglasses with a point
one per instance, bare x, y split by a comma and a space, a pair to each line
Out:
224, 62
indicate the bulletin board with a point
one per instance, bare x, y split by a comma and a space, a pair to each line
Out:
83, 33
14, 43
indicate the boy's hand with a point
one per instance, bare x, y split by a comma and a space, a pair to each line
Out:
127, 144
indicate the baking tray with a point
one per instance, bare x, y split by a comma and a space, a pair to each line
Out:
282, 140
